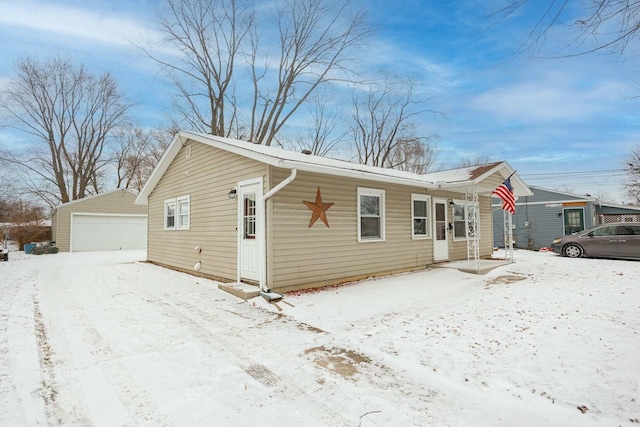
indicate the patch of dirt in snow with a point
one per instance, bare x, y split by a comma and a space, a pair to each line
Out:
504, 280
49, 391
338, 360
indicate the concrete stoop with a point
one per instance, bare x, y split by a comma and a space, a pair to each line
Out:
482, 267
241, 290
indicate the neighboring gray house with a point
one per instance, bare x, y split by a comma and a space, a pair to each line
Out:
104, 222
550, 213
241, 212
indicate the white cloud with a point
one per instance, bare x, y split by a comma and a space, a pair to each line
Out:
539, 102
74, 23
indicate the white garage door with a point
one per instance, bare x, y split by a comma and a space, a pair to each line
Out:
108, 232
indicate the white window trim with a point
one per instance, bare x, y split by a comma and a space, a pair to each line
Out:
466, 205
422, 198
167, 203
179, 224
362, 191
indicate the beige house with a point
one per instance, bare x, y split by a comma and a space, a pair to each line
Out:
104, 222
241, 212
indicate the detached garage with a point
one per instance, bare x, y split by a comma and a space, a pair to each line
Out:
104, 222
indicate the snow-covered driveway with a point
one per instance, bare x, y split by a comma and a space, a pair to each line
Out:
107, 340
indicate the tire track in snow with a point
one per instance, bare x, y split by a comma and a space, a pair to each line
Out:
234, 349
21, 383
230, 350
111, 394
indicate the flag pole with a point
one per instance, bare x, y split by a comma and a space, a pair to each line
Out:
510, 221
510, 236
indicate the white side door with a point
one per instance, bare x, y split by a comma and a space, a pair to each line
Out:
249, 231
440, 234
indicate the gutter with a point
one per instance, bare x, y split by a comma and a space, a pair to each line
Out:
355, 173
265, 197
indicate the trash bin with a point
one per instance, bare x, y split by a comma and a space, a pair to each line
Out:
28, 247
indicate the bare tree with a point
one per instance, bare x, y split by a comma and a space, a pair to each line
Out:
208, 36
315, 37
382, 129
417, 155
474, 160
27, 221
606, 24
137, 154
215, 39
633, 175
67, 115
323, 135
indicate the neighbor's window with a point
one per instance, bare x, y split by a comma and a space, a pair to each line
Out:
183, 212
463, 219
420, 213
370, 214
170, 214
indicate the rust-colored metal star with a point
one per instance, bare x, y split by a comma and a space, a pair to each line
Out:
319, 209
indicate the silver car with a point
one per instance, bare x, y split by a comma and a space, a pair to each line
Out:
618, 240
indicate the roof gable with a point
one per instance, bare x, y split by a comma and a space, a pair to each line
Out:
84, 199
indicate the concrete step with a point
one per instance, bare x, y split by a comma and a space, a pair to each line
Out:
241, 290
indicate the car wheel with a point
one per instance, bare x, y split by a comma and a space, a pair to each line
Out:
573, 251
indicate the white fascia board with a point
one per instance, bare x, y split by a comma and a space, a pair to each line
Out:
161, 167
93, 196
352, 173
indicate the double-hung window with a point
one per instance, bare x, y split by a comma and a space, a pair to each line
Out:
177, 213
183, 206
170, 214
463, 224
370, 214
421, 216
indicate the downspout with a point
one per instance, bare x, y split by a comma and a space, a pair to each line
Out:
280, 186
265, 197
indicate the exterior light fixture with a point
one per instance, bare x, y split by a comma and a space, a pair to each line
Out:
232, 193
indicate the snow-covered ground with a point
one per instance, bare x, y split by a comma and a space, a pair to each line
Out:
105, 339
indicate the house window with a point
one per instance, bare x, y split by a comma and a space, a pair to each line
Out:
370, 215
463, 213
420, 214
183, 206
170, 214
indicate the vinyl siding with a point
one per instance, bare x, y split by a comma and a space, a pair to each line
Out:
303, 256
540, 218
207, 176
115, 202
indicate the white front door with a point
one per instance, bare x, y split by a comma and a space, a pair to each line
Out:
249, 231
440, 235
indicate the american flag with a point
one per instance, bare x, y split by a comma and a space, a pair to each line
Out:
505, 192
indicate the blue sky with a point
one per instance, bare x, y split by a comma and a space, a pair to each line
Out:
561, 123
